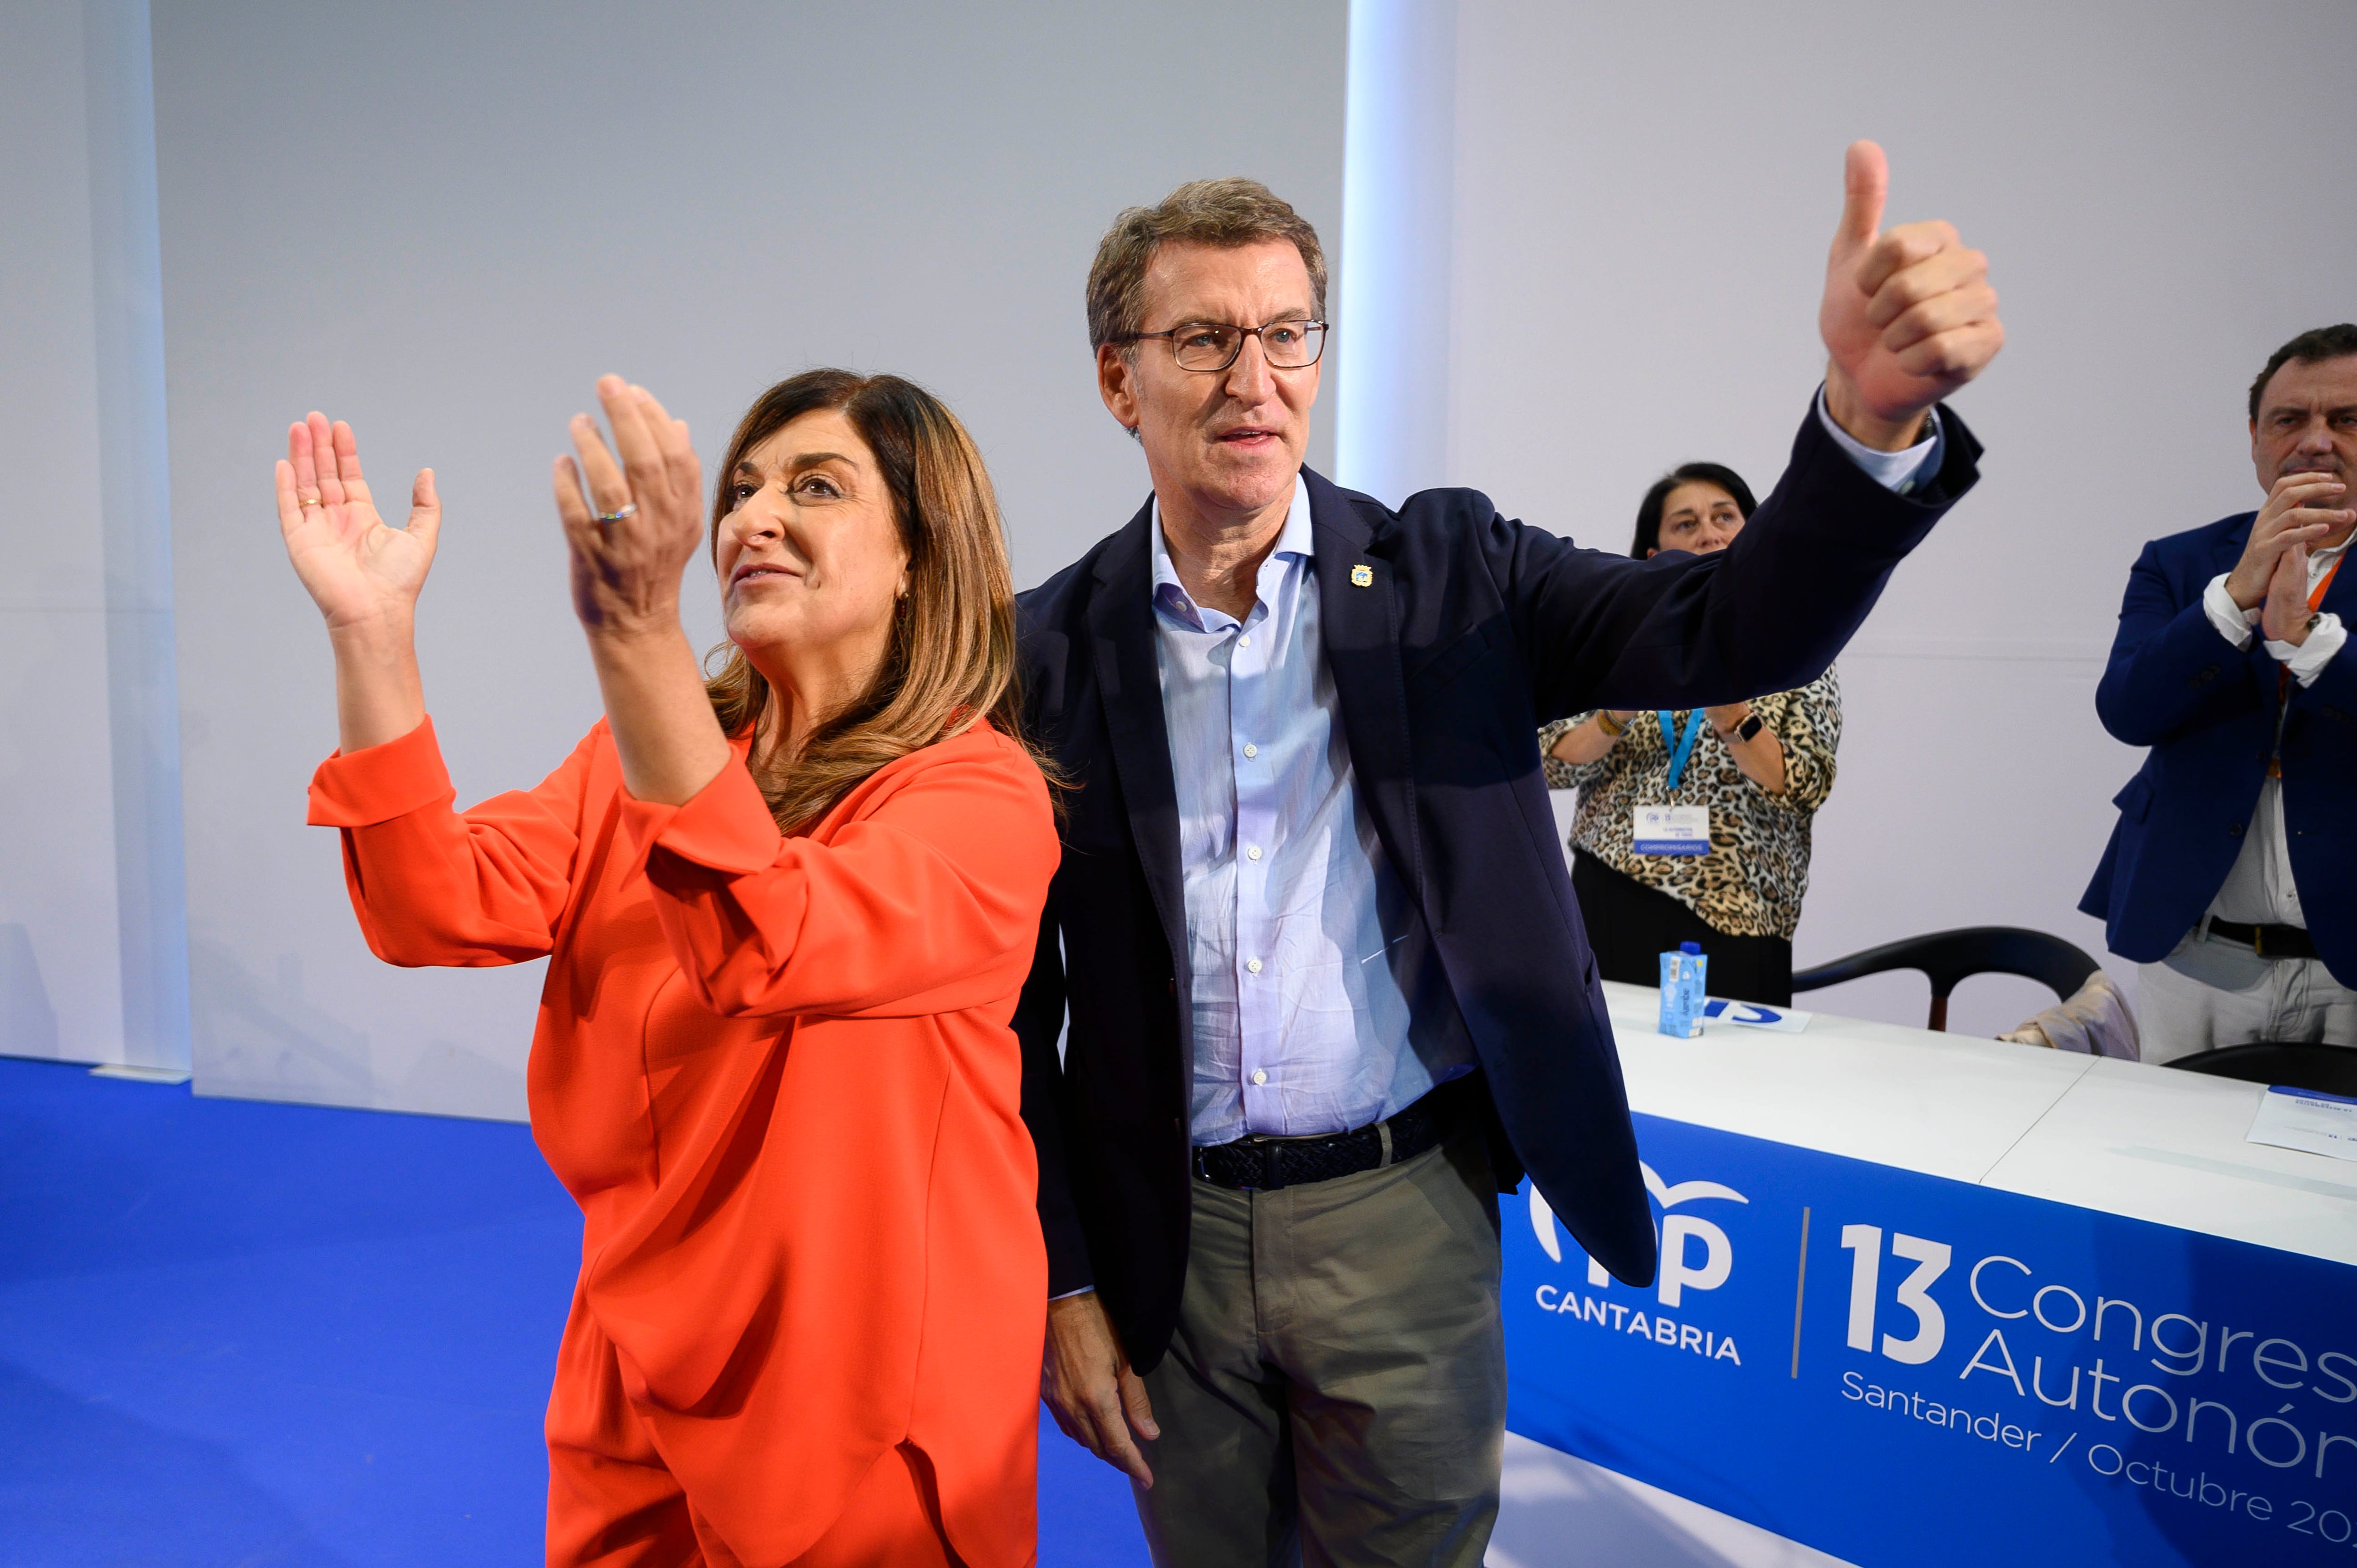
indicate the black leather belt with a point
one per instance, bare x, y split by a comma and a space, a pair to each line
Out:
2268, 941
1263, 1164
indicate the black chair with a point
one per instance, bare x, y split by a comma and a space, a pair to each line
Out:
2322, 1070
1947, 958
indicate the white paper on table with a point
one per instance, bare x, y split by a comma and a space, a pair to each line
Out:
1755, 1016
2303, 1119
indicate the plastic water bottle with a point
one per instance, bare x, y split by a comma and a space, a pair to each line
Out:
1683, 990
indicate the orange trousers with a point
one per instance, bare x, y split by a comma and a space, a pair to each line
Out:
612, 1503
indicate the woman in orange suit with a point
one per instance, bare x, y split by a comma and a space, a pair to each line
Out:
789, 911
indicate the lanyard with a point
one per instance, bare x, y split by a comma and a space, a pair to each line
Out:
1679, 750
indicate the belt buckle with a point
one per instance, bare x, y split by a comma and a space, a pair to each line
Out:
2258, 939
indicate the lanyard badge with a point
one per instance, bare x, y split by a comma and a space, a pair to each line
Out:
1666, 829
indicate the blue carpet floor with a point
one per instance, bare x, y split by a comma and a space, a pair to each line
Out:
253, 1335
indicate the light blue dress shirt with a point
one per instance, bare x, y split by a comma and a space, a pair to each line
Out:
1319, 1001
1296, 925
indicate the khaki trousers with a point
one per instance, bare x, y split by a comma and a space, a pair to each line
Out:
2213, 990
1336, 1390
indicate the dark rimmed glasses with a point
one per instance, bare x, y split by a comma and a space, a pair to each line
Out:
1213, 346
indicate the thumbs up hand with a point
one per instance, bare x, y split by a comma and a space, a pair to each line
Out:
1908, 317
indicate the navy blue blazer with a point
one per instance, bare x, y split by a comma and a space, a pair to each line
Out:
2209, 714
1474, 630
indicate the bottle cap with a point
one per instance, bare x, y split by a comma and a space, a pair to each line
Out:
1689, 947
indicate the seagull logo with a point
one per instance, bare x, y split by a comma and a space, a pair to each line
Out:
1674, 1230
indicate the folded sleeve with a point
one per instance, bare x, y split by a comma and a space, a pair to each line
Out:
1562, 774
433, 885
2306, 661
1809, 731
927, 900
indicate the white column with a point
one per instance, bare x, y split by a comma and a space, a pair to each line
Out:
1392, 348
142, 688
92, 961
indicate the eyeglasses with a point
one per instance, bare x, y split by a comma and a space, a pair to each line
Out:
1213, 346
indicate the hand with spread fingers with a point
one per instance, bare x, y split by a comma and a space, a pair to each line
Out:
633, 524
365, 576
358, 568
1908, 315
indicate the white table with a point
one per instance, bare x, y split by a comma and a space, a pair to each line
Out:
2150, 1143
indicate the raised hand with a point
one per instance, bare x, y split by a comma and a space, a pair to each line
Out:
2300, 509
632, 525
1907, 316
357, 569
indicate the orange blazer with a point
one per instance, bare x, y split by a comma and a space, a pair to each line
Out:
777, 1074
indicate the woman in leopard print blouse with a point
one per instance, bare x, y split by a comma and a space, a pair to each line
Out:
1761, 768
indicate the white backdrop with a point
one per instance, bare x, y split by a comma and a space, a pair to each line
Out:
1632, 232
442, 222
1587, 244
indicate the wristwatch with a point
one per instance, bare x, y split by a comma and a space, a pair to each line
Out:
1752, 724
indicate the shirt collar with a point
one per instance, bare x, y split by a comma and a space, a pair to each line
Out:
1295, 539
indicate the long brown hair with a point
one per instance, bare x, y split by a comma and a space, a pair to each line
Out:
951, 663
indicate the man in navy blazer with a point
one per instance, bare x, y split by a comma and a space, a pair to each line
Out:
1312, 949
2228, 876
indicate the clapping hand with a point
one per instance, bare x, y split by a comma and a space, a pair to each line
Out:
2271, 575
632, 525
1908, 316
360, 571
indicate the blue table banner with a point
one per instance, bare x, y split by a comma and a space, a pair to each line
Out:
1912, 1372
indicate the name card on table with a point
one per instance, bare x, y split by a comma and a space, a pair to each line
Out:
2303, 1119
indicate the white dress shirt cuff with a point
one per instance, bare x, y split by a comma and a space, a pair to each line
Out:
1894, 471
2233, 622
2306, 661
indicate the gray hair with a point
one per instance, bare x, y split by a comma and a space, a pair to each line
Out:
1226, 213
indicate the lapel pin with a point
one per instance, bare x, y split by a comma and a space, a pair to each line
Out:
1362, 576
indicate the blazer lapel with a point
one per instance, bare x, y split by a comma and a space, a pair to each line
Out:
1121, 643
1358, 620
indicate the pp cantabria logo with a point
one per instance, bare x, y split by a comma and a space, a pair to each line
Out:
1695, 1254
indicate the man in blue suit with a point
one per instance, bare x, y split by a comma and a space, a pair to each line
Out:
1313, 951
2229, 876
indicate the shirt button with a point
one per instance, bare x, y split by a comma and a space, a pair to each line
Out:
1252, 853
1246, 640
1251, 750
1253, 964
1260, 1075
